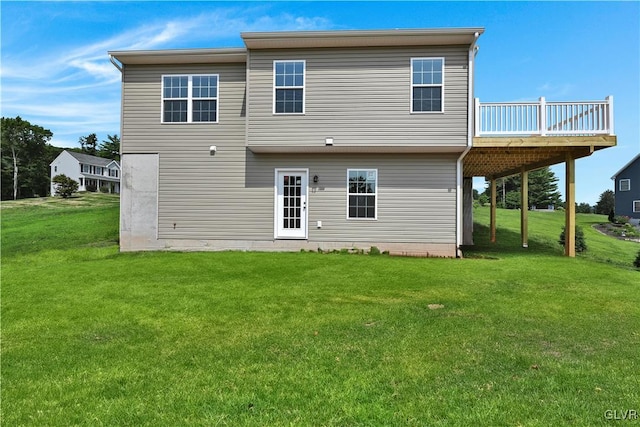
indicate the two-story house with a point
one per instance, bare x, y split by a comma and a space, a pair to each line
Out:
323, 139
627, 189
92, 173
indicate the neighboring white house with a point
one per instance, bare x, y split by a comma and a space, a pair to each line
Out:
92, 173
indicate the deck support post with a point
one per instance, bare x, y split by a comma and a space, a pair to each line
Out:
493, 210
524, 208
570, 207
467, 211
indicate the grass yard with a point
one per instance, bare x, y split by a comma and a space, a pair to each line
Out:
544, 233
512, 337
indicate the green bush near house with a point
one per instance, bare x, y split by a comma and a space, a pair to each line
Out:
581, 244
64, 185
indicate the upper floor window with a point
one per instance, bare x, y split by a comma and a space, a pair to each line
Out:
636, 205
288, 86
427, 78
113, 173
190, 98
362, 188
625, 185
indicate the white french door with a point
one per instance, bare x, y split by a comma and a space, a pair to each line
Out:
291, 204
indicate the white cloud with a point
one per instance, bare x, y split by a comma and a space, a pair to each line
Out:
73, 89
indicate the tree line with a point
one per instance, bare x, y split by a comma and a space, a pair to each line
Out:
26, 154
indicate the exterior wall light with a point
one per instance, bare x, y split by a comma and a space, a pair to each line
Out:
212, 150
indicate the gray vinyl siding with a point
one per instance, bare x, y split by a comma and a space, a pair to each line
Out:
416, 196
230, 196
358, 97
416, 199
199, 193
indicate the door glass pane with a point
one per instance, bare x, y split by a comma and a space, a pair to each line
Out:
292, 201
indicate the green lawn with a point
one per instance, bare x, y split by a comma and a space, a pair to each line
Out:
544, 233
94, 337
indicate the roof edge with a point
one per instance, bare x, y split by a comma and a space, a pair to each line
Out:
361, 38
180, 56
626, 166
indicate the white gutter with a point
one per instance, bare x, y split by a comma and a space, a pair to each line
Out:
473, 49
113, 61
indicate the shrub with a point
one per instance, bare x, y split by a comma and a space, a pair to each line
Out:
581, 244
64, 186
636, 263
374, 250
611, 216
620, 219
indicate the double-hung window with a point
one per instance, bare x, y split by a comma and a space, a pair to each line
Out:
190, 98
625, 185
362, 193
427, 85
636, 205
288, 87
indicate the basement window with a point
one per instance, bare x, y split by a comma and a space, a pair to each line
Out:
362, 193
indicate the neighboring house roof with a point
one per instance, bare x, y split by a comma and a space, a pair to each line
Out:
626, 166
91, 160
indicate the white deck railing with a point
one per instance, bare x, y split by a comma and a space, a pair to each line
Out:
544, 118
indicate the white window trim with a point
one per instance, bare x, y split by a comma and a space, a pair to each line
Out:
441, 85
375, 216
303, 87
636, 202
189, 98
628, 181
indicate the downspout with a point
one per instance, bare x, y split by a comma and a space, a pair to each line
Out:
120, 68
473, 50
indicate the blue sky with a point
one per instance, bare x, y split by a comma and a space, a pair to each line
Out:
55, 71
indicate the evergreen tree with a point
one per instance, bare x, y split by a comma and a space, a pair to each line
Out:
110, 148
543, 190
89, 144
606, 203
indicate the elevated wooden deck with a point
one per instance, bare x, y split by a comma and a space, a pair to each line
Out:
513, 137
